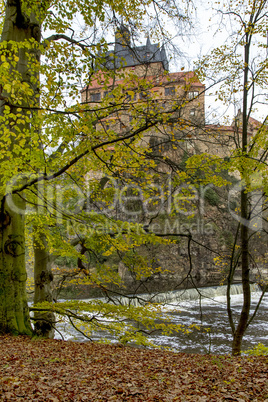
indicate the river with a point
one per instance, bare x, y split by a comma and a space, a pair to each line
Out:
185, 309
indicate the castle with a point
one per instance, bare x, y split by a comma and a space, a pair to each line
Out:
147, 70
180, 95
140, 73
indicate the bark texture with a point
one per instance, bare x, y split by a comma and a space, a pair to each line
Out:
44, 321
14, 313
245, 312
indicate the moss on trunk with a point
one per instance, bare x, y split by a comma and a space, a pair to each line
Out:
14, 313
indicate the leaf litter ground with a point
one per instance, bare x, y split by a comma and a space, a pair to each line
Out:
52, 370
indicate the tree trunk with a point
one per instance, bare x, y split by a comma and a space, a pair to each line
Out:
244, 315
44, 321
18, 28
14, 313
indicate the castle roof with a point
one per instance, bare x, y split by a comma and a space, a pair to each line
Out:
125, 55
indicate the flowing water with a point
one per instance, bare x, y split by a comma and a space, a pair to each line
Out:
209, 312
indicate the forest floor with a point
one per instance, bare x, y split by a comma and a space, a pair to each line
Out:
51, 370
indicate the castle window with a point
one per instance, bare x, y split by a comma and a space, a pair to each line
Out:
95, 97
170, 91
193, 94
143, 95
192, 112
106, 125
122, 126
154, 144
131, 97
108, 94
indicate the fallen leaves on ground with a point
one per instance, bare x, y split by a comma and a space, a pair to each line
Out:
51, 370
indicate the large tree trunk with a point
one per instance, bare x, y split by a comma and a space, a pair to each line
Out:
18, 28
14, 313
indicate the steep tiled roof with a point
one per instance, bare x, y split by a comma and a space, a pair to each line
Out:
255, 123
125, 55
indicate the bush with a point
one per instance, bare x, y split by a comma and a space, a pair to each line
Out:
212, 197
258, 350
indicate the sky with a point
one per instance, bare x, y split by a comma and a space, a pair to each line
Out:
208, 33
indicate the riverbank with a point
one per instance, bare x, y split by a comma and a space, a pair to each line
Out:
214, 335
51, 370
